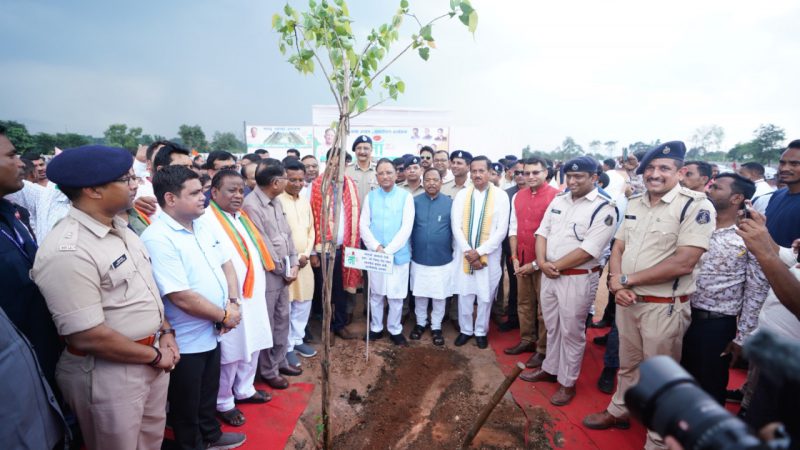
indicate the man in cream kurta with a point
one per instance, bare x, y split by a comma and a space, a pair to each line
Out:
239, 347
387, 218
301, 221
480, 283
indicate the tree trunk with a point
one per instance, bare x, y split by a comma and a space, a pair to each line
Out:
333, 174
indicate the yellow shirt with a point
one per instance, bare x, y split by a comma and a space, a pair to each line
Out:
653, 233
301, 222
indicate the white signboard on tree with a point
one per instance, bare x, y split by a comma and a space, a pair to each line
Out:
355, 258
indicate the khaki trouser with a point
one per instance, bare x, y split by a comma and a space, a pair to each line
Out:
565, 302
531, 322
119, 406
645, 330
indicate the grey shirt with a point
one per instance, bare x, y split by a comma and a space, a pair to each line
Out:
268, 216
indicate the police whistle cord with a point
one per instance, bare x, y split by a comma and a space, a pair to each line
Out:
487, 410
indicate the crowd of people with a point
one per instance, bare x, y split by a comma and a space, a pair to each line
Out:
151, 290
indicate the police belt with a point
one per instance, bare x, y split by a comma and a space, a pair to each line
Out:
149, 340
651, 299
579, 271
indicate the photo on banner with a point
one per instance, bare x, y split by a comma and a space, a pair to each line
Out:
279, 139
387, 142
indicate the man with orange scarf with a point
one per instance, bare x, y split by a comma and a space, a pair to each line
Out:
345, 280
240, 347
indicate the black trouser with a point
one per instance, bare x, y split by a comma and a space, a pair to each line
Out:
192, 396
316, 302
704, 342
338, 294
511, 310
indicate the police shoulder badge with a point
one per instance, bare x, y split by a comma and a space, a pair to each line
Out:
609, 220
703, 217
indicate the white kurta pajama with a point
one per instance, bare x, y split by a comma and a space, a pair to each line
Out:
239, 348
393, 286
481, 285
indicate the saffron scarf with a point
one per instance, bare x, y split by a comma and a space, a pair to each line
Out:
241, 245
350, 210
484, 225
142, 216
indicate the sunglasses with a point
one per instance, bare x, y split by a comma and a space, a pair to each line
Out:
425, 157
529, 173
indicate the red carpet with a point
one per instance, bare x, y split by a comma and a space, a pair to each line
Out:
566, 430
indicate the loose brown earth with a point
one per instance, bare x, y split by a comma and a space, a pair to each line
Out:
418, 397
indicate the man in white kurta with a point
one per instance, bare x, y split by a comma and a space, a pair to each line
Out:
297, 209
239, 347
490, 207
387, 218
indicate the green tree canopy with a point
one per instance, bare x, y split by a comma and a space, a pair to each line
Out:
119, 135
18, 134
227, 141
193, 137
45, 142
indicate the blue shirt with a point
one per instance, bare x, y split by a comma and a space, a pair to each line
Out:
432, 236
783, 217
184, 260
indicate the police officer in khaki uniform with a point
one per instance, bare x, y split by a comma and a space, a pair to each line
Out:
459, 166
363, 172
575, 229
664, 233
413, 183
96, 277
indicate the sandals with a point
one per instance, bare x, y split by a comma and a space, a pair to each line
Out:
234, 417
259, 397
416, 333
438, 339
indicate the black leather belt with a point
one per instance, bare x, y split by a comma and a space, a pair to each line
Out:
703, 314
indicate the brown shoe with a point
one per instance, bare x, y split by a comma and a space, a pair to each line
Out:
522, 347
604, 420
535, 361
277, 383
563, 395
538, 375
345, 334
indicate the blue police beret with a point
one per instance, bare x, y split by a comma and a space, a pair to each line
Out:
465, 155
497, 167
510, 158
580, 164
411, 159
360, 139
671, 150
89, 165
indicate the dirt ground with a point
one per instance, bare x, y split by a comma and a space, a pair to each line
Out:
418, 397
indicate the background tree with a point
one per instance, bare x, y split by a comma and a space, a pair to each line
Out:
18, 134
119, 135
570, 149
227, 141
193, 137
768, 139
595, 146
707, 139
611, 147
322, 38
46, 143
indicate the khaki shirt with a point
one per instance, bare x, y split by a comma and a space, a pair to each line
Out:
365, 180
450, 188
414, 192
568, 225
91, 274
652, 234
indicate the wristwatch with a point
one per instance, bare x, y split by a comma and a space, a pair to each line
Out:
623, 280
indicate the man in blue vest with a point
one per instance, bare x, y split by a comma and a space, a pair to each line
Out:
432, 255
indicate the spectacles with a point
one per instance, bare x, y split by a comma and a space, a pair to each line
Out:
128, 180
425, 157
532, 172
401, 169
518, 173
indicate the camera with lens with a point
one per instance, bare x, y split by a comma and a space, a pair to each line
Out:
669, 401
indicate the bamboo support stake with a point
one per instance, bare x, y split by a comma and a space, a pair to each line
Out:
498, 395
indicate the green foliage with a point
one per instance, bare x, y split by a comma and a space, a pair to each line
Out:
193, 137
765, 147
119, 135
708, 139
45, 142
322, 38
18, 134
228, 142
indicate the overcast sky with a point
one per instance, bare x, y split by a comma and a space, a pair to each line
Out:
534, 72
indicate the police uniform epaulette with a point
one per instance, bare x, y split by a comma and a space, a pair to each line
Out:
636, 195
693, 194
562, 193
69, 239
605, 196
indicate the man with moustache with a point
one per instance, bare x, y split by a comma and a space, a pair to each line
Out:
696, 175
459, 167
665, 232
363, 172
783, 209
441, 162
414, 170
240, 347
425, 157
480, 222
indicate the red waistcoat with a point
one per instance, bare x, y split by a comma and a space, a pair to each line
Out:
530, 208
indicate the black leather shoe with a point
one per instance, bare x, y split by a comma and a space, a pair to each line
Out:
462, 339
601, 340
375, 335
482, 341
399, 339
290, 371
602, 323
416, 333
606, 381
508, 325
